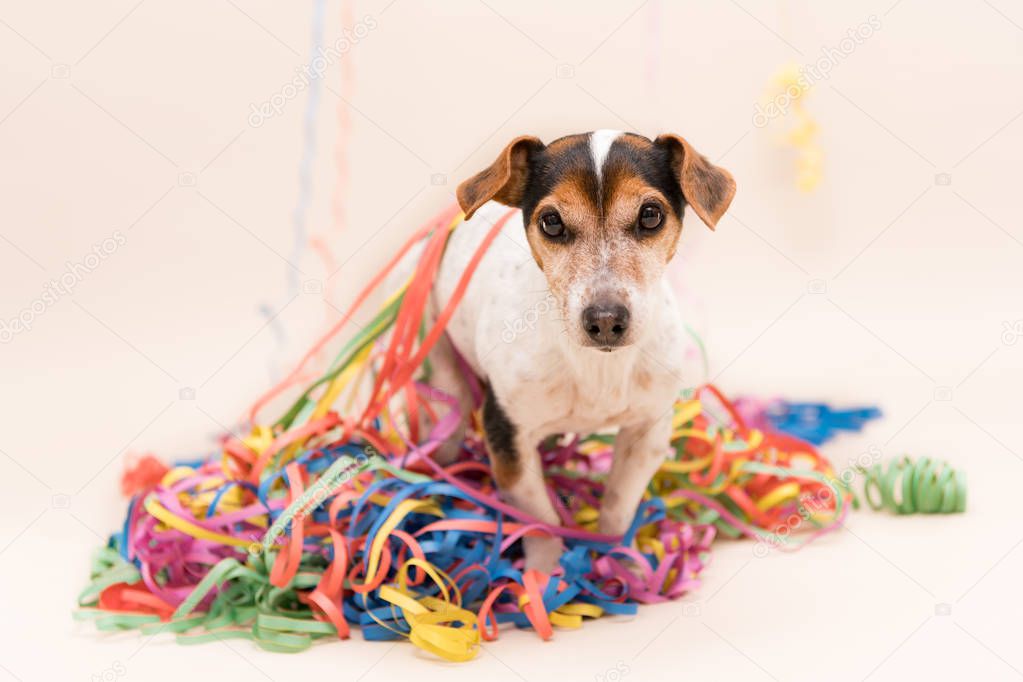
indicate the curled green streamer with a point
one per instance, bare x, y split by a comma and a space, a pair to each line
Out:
906, 486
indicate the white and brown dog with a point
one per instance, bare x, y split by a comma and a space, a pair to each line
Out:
569, 320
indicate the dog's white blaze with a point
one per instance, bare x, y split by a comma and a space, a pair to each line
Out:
600, 145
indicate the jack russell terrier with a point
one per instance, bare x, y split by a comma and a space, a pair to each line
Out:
569, 321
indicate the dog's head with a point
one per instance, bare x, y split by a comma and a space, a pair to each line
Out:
603, 214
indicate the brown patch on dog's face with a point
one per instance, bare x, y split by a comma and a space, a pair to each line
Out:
603, 214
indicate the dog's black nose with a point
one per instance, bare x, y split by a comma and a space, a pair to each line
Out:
606, 323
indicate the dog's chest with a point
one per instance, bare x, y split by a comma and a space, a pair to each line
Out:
589, 394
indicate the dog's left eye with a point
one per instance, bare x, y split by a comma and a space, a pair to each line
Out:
650, 217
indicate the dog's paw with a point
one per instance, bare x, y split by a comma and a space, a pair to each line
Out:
543, 553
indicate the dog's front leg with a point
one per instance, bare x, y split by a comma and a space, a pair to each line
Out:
639, 451
518, 473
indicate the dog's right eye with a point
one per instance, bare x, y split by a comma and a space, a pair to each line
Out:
551, 225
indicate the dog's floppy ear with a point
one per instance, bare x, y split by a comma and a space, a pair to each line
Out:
504, 181
707, 188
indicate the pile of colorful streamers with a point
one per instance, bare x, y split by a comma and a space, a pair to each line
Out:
336, 515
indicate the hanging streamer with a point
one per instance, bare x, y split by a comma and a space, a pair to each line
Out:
300, 212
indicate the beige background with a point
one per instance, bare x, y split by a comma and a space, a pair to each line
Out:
130, 121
